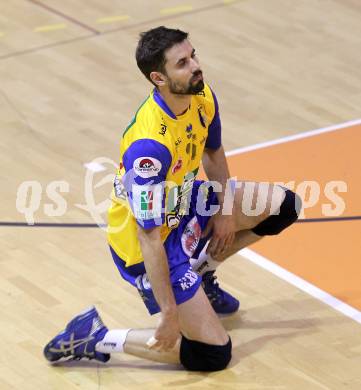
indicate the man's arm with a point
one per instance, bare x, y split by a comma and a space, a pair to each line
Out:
147, 162
221, 224
216, 168
215, 165
156, 265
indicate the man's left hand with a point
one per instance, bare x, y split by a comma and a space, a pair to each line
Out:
223, 231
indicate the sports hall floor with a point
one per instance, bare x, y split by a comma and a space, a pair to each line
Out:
287, 76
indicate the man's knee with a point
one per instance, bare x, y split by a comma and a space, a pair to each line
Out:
288, 214
198, 356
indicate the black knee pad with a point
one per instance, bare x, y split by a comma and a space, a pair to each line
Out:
197, 356
289, 211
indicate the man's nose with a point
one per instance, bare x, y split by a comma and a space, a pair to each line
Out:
195, 65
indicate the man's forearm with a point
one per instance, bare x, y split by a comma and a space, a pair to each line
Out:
216, 168
156, 265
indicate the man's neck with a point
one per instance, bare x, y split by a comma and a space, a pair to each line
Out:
177, 103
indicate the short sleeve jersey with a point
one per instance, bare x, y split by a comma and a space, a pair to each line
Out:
160, 154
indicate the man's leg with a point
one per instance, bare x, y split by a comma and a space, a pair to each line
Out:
250, 196
203, 346
197, 321
277, 208
259, 209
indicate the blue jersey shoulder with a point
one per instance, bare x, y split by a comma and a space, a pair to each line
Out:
146, 163
214, 139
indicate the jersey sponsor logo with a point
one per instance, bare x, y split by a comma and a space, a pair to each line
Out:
163, 129
147, 166
191, 148
177, 166
178, 142
203, 140
202, 116
191, 236
147, 201
143, 284
189, 129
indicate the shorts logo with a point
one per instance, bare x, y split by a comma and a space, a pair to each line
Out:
173, 220
191, 236
177, 166
188, 280
147, 166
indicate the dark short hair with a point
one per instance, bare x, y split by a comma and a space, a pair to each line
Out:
150, 53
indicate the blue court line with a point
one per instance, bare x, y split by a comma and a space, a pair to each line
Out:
330, 219
94, 225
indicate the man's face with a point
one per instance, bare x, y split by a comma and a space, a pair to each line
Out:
184, 75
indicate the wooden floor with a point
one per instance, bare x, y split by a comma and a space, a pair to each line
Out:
68, 87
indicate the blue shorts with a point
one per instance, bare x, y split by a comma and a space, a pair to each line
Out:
182, 243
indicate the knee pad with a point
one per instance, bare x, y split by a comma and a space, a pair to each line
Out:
288, 214
197, 356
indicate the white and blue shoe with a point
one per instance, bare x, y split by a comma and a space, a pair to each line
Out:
79, 338
221, 301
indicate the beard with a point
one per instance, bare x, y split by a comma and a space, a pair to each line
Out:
191, 88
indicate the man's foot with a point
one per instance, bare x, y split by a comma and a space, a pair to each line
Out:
79, 338
221, 301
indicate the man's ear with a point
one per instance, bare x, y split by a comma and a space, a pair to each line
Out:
158, 79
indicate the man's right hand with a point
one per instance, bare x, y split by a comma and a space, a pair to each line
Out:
167, 332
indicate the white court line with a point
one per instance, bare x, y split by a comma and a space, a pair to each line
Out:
294, 137
275, 269
95, 166
302, 284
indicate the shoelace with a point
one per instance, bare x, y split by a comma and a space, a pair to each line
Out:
215, 293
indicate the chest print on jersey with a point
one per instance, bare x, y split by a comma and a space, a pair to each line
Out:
189, 129
177, 166
202, 116
163, 128
191, 148
177, 142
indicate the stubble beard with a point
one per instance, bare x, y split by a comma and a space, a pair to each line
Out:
190, 89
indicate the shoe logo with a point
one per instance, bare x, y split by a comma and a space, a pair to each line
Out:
71, 345
96, 325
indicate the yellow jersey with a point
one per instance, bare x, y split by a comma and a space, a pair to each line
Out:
160, 154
